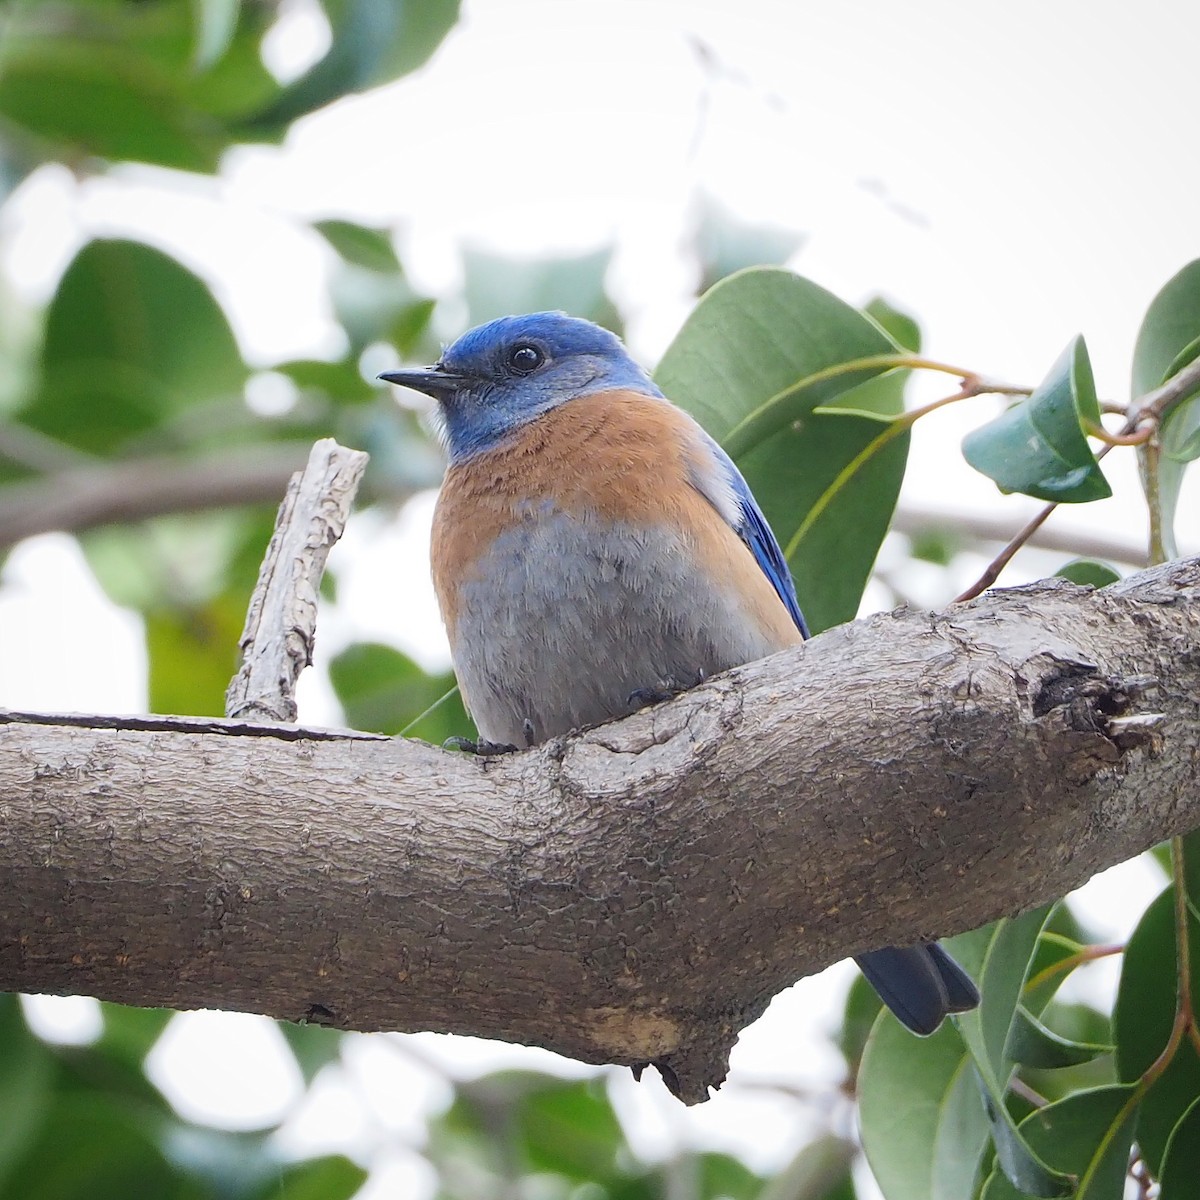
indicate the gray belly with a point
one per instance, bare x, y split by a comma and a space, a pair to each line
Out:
565, 622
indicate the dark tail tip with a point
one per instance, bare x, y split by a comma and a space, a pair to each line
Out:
920, 984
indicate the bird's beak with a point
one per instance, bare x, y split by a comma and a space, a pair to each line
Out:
433, 381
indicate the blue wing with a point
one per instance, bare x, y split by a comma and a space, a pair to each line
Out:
756, 533
921, 984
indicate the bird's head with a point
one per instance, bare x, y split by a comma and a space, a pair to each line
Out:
502, 375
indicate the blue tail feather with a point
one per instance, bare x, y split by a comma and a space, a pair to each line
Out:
921, 984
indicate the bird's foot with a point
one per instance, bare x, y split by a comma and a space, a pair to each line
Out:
486, 749
483, 748
666, 689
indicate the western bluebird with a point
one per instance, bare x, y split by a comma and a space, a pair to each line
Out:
594, 548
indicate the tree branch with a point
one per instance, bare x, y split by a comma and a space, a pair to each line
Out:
634, 893
281, 624
914, 520
77, 498
86, 497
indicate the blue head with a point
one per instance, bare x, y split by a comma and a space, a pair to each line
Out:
502, 375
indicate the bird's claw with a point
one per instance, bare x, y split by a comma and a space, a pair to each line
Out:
667, 689
483, 748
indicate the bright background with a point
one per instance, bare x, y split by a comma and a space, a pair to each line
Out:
1010, 174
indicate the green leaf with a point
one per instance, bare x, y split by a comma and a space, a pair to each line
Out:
520, 1123
1088, 572
373, 41
224, 1164
725, 243
1038, 447
382, 690
814, 1174
831, 551
496, 286
885, 393
1087, 1135
1081, 1025
334, 1177
1181, 1162
93, 1147
130, 1033
313, 1046
923, 1128
745, 360
181, 560
858, 1019
1190, 844
569, 1128
896, 323
1181, 426
1021, 1166
108, 1071
374, 307
372, 299
723, 1176
756, 357
361, 245
93, 96
1169, 338
193, 655
26, 1077
932, 544
132, 338
1142, 1021
1062, 938
1033, 1044
216, 24
999, 958
340, 381
1170, 327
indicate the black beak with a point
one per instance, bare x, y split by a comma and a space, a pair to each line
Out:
433, 381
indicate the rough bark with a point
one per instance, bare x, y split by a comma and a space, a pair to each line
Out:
633, 893
281, 624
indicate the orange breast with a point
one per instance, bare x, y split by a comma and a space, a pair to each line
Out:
616, 456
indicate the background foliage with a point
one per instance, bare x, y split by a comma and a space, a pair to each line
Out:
132, 371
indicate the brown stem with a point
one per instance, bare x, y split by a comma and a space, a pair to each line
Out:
992, 572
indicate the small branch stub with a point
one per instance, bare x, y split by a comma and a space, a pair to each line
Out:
277, 640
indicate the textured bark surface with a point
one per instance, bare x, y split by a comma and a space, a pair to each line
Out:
281, 625
634, 893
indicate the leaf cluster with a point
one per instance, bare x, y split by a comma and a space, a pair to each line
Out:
133, 364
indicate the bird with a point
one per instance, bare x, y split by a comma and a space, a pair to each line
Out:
595, 550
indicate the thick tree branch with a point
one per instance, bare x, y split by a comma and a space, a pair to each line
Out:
638, 891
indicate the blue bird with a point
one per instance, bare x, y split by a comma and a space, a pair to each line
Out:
594, 549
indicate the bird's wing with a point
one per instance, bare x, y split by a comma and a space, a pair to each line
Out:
723, 486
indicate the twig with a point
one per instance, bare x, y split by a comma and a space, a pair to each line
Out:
281, 623
991, 574
1149, 409
1158, 403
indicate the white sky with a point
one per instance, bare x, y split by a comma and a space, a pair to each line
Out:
1010, 173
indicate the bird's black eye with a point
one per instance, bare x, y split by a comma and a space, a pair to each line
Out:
524, 358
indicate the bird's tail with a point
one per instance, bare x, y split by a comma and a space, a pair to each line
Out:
920, 984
